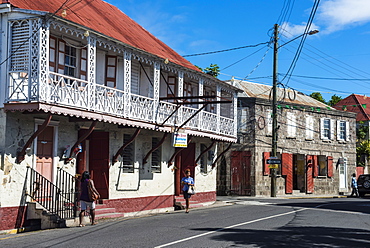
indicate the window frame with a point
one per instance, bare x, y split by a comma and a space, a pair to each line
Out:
156, 168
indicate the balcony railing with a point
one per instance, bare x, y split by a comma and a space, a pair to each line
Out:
71, 92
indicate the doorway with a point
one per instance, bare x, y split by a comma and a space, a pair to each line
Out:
184, 160
44, 153
299, 172
240, 172
95, 159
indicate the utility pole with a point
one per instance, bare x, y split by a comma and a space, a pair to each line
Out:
274, 109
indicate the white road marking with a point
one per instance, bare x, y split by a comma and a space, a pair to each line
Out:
236, 225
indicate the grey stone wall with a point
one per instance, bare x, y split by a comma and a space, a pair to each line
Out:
253, 136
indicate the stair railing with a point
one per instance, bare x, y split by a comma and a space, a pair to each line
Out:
60, 201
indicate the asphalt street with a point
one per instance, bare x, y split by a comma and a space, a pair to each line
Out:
233, 222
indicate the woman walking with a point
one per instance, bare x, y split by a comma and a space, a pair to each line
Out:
85, 198
187, 182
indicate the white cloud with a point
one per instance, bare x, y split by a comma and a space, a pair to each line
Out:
291, 30
340, 14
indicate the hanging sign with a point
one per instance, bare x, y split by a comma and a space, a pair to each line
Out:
180, 140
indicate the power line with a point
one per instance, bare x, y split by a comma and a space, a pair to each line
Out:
225, 50
300, 47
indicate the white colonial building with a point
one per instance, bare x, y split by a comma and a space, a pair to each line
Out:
84, 87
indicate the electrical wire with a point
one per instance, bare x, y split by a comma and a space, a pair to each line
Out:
225, 50
300, 47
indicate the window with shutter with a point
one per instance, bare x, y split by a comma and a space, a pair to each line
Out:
326, 129
330, 166
156, 156
83, 64
127, 164
342, 130
266, 169
309, 127
70, 61
61, 56
291, 125
309, 174
19, 46
322, 165
111, 71
203, 159
287, 171
52, 54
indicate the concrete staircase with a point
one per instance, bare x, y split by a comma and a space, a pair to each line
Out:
39, 218
102, 212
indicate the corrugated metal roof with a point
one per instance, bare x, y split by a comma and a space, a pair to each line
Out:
354, 103
108, 20
287, 96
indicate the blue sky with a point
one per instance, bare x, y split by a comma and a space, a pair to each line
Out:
334, 61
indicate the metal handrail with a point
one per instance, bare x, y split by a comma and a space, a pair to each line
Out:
58, 200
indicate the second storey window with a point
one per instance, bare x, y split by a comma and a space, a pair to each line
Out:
291, 125
342, 130
70, 60
309, 127
327, 128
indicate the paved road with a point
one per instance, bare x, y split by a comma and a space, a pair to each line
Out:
248, 222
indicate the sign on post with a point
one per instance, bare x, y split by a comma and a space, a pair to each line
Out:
273, 162
180, 140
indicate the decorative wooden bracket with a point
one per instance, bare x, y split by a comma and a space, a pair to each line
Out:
82, 138
22, 153
206, 150
177, 151
133, 137
155, 148
222, 153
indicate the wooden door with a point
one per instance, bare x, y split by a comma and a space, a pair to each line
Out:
44, 153
99, 162
184, 160
240, 172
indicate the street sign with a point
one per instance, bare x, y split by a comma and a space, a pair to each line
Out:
273, 161
273, 166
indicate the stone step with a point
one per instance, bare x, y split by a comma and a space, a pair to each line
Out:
104, 210
109, 215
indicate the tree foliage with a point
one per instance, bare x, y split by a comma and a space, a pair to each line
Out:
212, 69
318, 97
334, 100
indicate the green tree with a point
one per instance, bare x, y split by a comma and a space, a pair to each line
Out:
213, 70
334, 100
318, 97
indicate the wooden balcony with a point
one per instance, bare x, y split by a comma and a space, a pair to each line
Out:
72, 93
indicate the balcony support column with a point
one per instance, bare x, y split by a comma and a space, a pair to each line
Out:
91, 68
156, 83
44, 34
127, 83
201, 91
218, 108
180, 93
235, 112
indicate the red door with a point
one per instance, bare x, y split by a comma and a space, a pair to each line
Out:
240, 172
184, 160
99, 162
44, 154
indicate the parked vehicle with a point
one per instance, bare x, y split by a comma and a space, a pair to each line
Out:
363, 184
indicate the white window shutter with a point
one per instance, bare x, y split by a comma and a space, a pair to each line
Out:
338, 130
332, 129
309, 127
347, 131
322, 132
293, 125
